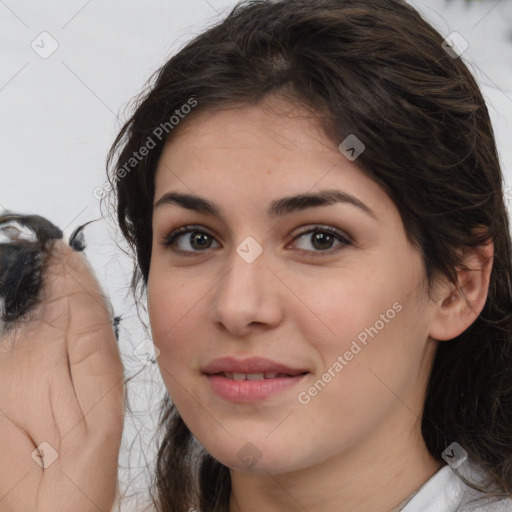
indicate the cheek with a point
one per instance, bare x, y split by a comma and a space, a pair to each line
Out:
176, 309
341, 309
372, 316
375, 348
168, 299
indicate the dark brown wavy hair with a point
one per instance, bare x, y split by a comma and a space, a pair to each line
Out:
376, 69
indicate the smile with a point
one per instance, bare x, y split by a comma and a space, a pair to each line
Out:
253, 376
251, 387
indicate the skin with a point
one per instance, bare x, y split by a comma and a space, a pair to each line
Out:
302, 305
61, 378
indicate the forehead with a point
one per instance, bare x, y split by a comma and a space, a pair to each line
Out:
250, 153
271, 123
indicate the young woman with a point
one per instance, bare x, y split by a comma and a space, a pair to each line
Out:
314, 199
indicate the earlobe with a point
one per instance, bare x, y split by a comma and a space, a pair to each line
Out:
457, 307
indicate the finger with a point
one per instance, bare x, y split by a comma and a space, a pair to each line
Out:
94, 361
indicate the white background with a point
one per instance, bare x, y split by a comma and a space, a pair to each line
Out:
59, 116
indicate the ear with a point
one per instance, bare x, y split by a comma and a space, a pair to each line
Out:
457, 307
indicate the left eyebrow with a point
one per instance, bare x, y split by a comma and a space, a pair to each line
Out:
277, 208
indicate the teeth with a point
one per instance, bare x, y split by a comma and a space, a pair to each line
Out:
253, 376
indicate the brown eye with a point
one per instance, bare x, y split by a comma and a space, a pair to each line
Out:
322, 239
199, 240
188, 239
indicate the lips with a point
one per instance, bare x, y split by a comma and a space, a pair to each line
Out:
250, 380
253, 368
253, 376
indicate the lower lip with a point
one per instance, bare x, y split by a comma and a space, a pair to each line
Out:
245, 391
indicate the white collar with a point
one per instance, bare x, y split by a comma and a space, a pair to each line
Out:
445, 491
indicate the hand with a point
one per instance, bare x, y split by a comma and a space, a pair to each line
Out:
61, 388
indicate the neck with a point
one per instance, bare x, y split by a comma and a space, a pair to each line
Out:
380, 474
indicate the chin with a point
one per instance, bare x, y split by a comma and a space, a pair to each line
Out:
257, 456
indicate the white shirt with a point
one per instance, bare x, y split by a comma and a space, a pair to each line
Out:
446, 492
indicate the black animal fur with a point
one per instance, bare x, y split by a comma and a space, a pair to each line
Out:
25, 242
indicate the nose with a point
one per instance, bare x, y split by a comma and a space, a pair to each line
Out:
249, 296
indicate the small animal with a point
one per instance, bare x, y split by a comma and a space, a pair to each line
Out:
25, 241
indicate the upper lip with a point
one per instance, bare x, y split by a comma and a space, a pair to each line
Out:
249, 365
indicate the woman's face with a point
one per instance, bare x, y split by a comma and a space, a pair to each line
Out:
343, 310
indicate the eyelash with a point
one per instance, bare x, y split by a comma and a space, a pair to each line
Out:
170, 239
